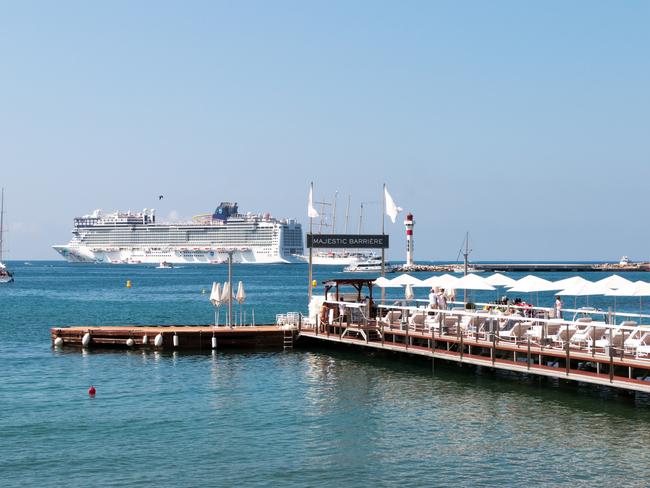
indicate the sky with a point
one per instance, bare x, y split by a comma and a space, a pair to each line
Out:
525, 124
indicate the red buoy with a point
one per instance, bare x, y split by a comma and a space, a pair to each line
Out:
92, 391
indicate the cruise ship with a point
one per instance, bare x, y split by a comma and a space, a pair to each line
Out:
134, 238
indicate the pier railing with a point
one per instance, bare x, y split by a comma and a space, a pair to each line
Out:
584, 349
627, 339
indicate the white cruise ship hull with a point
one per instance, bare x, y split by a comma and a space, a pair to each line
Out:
84, 254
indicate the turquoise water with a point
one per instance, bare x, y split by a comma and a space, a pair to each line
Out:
303, 418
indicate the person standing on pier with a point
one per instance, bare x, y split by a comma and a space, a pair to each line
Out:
433, 298
442, 299
558, 307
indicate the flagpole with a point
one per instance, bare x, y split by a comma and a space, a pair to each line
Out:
311, 220
383, 268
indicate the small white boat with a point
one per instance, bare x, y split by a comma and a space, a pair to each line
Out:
165, 265
369, 266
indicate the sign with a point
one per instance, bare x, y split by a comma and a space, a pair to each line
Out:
352, 241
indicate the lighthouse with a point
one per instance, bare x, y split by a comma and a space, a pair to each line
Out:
408, 223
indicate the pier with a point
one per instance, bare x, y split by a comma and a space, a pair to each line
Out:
196, 337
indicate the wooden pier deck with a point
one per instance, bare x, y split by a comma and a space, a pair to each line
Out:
625, 373
176, 337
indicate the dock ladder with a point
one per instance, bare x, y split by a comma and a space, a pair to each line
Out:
288, 339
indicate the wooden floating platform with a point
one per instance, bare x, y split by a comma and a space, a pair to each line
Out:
598, 369
187, 337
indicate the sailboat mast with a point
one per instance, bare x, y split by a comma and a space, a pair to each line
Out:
336, 193
466, 253
2, 215
360, 217
347, 214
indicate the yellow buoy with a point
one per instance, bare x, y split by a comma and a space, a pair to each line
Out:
128, 283
314, 283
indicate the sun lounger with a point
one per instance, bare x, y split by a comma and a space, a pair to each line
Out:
392, 318
516, 332
563, 335
417, 320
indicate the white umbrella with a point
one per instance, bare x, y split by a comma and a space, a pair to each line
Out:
431, 281
530, 283
585, 289
408, 292
447, 281
614, 281
215, 298
405, 279
637, 289
570, 282
383, 282
473, 282
241, 296
498, 279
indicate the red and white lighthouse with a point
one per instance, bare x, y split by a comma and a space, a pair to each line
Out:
408, 223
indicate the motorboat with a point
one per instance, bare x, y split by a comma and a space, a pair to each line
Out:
165, 265
372, 265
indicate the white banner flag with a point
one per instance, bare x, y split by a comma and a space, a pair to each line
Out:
311, 211
391, 209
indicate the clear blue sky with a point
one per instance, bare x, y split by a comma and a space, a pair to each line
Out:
526, 123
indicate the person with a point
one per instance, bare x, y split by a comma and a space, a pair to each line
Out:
558, 307
442, 300
433, 298
342, 310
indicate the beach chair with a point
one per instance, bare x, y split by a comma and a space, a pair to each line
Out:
516, 332
563, 335
391, 318
633, 339
588, 335
616, 341
643, 349
416, 321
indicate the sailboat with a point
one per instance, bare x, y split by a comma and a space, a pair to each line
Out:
342, 257
466, 267
5, 274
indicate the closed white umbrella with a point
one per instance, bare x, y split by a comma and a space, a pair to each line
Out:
498, 279
225, 298
614, 281
241, 296
215, 298
408, 292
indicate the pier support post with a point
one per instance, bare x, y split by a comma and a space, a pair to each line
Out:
568, 344
528, 352
611, 358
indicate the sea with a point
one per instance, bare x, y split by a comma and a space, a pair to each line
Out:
307, 417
